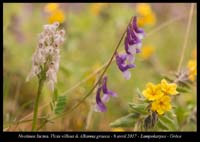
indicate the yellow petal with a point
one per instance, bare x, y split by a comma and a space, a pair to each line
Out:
143, 9
57, 16
147, 52
50, 7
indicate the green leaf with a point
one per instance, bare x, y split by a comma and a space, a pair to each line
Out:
55, 94
139, 108
185, 84
160, 124
139, 93
60, 105
169, 121
126, 121
183, 89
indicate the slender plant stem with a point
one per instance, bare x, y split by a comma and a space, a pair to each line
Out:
186, 36
35, 115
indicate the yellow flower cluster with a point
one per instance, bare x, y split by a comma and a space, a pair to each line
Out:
55, 13
96, 8
192, 66
145, 14
159, 95
147, 52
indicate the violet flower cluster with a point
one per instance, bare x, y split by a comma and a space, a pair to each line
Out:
133, 43
125, 61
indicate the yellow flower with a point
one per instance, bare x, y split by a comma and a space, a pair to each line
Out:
162, 105
143, 9
145, 14
152, 92
56, 16
117, 129
168, 88
147, 20
147, 52
50, 7
96, 8
192, 67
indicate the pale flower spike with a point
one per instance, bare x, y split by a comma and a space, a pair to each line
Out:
47, 55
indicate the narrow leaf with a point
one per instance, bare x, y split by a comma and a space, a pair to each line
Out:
139, 108
169, 122
162, 125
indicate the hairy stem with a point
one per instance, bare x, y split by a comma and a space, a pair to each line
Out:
35, 115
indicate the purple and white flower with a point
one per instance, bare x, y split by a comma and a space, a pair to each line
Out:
100, 102
133, 44
123, 66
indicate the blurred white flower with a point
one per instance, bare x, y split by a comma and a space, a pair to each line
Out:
47, 55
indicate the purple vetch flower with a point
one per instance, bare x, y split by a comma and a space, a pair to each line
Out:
107, 93
133, 38
123, 66
100, 106
140, 32
133, 44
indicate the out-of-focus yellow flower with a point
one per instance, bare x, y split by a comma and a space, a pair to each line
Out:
146, 16
152, 92
117, 129
147, 52
192, 68
51, 7
161, 105
56, 16
143, 9
168, 88
147, 20
96, 8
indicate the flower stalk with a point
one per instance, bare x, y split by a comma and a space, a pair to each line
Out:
35, 115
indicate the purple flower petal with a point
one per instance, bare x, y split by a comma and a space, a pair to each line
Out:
138, 50
105, 89
100, 105
135, 27
132, 49
105, 98
126, 45
121, 64
130, 58
127, 74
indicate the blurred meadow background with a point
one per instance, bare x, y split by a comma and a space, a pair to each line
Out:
92, 33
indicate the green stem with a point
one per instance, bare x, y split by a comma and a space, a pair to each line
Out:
41, 83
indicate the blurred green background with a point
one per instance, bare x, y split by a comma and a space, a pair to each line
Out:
92, 32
